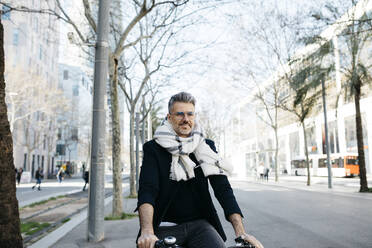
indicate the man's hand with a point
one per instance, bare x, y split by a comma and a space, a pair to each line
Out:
146, 240
252, 240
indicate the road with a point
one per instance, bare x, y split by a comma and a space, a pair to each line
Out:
292, 218
281, 216
49, 188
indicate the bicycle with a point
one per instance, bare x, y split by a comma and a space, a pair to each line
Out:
170, 242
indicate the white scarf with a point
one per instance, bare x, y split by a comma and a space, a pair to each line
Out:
182, 167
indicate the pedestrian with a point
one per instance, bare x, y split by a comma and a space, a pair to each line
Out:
38, 175
19, 175
260, 171
266, 175
60, 174
86, 179
173, 196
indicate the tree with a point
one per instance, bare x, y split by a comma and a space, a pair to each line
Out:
119, 44
304, 77
271, 39
270, 100
10, 231
354, 29
33, 111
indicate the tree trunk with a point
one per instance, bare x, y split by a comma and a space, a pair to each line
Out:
133, 190
307, 155
10, 234
117, 203
276, 154
359, 133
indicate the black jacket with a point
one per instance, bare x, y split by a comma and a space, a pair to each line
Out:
157, 189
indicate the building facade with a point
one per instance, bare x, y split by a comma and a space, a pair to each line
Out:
31, 74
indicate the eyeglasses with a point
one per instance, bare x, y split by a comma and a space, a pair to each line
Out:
181, 115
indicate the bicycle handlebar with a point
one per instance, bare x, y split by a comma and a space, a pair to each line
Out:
167, 242
241, 243
170, 242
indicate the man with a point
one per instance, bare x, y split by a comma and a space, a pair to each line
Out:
19, 175
38, 175
86, 178
173, 197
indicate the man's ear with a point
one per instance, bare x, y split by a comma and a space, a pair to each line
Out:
168, 116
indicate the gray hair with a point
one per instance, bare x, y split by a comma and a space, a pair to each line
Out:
181, 97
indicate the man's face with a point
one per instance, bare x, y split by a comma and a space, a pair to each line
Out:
182, 118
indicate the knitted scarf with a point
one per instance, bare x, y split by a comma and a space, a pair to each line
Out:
182, 167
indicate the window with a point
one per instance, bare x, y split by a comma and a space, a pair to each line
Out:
40, 52
65, 75
75, 90
294, 145
36, 24
6, 15
74, 134
24, 161
61, 149
311, 140
16, 37
59, 134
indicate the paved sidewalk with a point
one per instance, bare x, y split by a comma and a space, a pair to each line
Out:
118, 233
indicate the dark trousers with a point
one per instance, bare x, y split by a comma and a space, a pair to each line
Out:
193, 234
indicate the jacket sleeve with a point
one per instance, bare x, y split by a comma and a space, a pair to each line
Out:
149, 177
223, 191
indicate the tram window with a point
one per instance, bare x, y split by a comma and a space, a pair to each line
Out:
338, 163
351, 161
322, 163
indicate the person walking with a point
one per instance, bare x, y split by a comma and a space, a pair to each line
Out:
38, 175
261, 171
86, 178
19, 175
60, 174
266, 175
173, 196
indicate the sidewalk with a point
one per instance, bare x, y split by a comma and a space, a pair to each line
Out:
122, 233
118, 233
347, 186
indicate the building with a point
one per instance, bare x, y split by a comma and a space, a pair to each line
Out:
74, 124
254, 141
31, 74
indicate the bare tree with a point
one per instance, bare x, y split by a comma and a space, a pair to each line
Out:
269, 99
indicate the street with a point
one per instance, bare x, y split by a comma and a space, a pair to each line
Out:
289, 215
51, 188
292, 218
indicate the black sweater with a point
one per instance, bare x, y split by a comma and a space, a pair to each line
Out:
157, 189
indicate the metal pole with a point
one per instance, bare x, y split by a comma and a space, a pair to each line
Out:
326, 136
97, 168
137, 149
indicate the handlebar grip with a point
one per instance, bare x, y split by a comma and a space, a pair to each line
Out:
159, 244
243, 243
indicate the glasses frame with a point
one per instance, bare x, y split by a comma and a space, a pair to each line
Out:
181, 115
